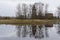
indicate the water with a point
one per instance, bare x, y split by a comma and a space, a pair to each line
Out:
30, 32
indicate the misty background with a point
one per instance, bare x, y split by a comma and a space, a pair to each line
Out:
8, 7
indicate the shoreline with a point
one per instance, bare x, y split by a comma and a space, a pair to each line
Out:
29, 21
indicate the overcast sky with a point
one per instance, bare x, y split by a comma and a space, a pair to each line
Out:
8, 6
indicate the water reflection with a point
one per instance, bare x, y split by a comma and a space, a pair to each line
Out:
32, 32
58, 29
18, 30
36, 31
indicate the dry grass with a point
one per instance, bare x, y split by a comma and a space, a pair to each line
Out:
30, 21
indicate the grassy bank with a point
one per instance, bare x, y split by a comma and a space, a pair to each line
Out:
29, 21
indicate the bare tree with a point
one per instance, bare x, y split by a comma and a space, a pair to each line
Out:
29, 11
34, 12
24, 6
18, 11
40, 10
58, 10
46, 8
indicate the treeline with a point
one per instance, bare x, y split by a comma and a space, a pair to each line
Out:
34, 11
6, 17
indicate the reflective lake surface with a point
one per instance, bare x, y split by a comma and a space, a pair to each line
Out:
30, 32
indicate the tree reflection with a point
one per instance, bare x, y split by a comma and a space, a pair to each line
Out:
58, 29
36, 31
46, 32
30, 30
24, 31
18, 30
39, 33
33, 30
46, 29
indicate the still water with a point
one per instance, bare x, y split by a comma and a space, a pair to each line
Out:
30, 32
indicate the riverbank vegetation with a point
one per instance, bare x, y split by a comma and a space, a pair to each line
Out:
29, 21
33, 14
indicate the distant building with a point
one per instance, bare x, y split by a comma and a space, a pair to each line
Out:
49, 14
